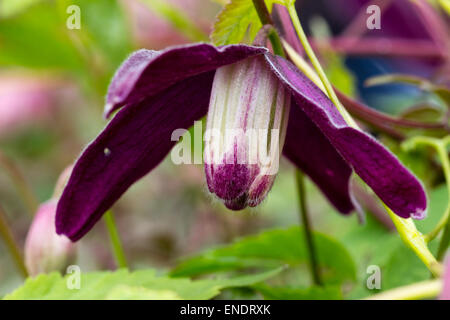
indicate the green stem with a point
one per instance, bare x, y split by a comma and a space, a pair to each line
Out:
316, 64
313, 261
114, 238
13, 247
19, 181
443, 245
421, 290
265, 18
445, 241
444, 223
416, 241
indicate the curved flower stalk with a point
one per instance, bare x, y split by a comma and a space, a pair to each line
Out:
159, 92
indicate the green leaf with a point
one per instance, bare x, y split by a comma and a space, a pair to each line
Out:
237, 21
438, 199
143, 284
140, 293
369, 244
272, 248
288, 293
404, 268
372, 244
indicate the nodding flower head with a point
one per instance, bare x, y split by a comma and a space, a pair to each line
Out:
242, 88
245, 132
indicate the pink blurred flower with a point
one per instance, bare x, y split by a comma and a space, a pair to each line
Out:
26, 98
45, 251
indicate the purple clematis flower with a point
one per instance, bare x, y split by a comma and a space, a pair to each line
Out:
170, 89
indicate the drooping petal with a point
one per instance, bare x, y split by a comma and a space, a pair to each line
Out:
378, 167
312, 152
148, 72
133, 143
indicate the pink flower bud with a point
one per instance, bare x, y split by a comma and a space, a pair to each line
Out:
45, 251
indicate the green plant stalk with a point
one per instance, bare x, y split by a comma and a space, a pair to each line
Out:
445, 240
264, 17
13, 248
316, 64
416, 241
313, 261
304, 66
445, 220
20, 183
114, 238
444, 223
421, 290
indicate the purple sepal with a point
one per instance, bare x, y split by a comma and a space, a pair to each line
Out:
135, 141
396, 186
312, 152
148, 72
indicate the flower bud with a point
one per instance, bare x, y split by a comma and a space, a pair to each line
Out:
245, 132
45, 251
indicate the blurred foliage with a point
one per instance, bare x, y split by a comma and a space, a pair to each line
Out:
334, 65
289, 293
39, 38
11, 7
277, 248
273, 247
